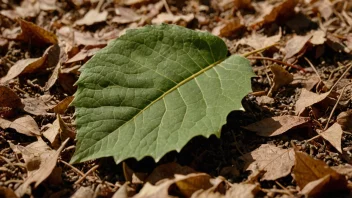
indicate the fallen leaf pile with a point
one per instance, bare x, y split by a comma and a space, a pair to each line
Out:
292, 140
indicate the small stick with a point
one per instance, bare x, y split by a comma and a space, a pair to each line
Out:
284, 188
337, 102
277, 61
312, 66
87, 173
259, 50
73, 168
344, 73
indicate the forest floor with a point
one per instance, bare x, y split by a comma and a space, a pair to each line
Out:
294, 138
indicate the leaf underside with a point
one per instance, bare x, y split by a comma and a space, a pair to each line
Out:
153, 89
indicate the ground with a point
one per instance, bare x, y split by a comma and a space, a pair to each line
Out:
292, 138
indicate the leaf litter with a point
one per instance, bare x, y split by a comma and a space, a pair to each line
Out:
244, 25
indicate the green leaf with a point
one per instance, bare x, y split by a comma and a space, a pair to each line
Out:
153, 89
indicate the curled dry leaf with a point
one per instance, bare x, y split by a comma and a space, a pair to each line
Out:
242, 190
46, 164
54, 76
296, 45
308, 170
38, 105
93, 16
32, 65
35, 34
228, 28
345, 120
271, 13
314, 188
281, 77
333, 135
308, 98
167, 171
9, 99
25, 125
275, 161
86, 52
7, 193
318, 37
186, 185
276, 125
259, 41
57, 132
62, 106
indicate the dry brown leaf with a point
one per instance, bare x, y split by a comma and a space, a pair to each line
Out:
275, 161
74, 37
345, 120
7, 193
25, 125
325, 8
46, 163
307, 170
167, 171
170, 18
281, 77
336, 44
344, 170
125, 15
83, 192
67, 82
32, 65
125, 191
35, 34
333, 135
259, 41
9, 99
93, 16
54, 76
85, 53
314, 188
242, 190
132, 2
220, 185
318, 37
38, 105
62, 106
307, 99
57, 132
296, 45
271, 13
27, 9
228, 28
276, 125
186, 185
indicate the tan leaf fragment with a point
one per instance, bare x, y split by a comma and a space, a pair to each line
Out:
228, 28
269, 127
220, 186
25, 125
83, 192
308, 98
345, 120
32, 65
307, 170
85, 53
333, 135
336, 44
9, 99
167, 171
35, 34
170, 18
275, 161
318, 37
42, 168
92, 16
38, 105
74, 37
259, 41
62, 106
242, 190
125, 191
344, 170
296, 45
125, 15
54, 76
281, 77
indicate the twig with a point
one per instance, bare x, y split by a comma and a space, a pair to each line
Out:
259, 50
344, 73
284, 188
277, 61
167, 7
87, 173
73, 168
337, 102
312, 66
